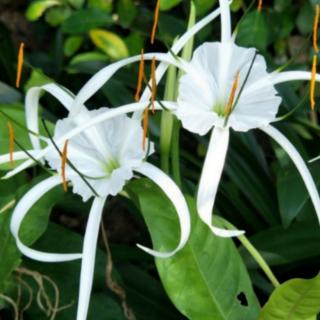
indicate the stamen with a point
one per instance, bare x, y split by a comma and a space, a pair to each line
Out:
63, 166
20, 64
155, 21
260, 5
145, 127
153, 84
140, 77
315, 30
313, 82
11, 142
315, 59
232, 94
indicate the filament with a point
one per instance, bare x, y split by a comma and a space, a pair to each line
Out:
155, 21
11, 141
145, 127
63, 165
153, 83
232, 94
20, 64
260, 5
140, 77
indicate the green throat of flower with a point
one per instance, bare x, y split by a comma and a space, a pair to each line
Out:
110, 165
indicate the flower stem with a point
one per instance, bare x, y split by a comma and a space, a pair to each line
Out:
175, 152
255, 254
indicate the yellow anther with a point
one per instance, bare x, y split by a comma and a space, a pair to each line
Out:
140, 77
260, 5
315, 30
313, 81
155, 21
153, 83
232, 94
11, 141
145, 127
20, 64
63, 165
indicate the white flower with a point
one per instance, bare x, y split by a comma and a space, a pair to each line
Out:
106, 154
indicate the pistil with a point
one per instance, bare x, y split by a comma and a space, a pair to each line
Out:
20, 64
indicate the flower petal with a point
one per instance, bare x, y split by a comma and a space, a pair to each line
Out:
21, 210
32, 106
89, 256
210, 179
292, 76
299, 163
225, 21
111, 113
18, 155
177, 199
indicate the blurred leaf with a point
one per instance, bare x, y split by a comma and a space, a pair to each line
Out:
168, 4
84, 20
211, 279
203, 6
236, 5
76, 3
127, 12
281, 246
254, 31
296, 299
87, 62
8, 94
37, 8
72, 45
109, 43
105, 5
135, 43
55, 16
37, 78
304, 18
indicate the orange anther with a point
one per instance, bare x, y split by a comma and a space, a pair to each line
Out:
260, 5
155, 21
313, 81
153, 83
315, 30
232, 94
63, 165
11, 141
20, 64
140, 77
145, 127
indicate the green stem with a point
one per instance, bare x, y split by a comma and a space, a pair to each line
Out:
255, 254
175, 153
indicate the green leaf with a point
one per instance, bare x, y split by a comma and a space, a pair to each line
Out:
9, 94
127, 12
82, 21
72, 45
296, 299
56, 16
254, 31
168, 4
105, 5
203, 6
37, 8
109, 43
76, 3
134, 43
204, 279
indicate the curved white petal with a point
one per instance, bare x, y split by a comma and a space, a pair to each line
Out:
177, 199
18, 155
32, 106
210, 179
299, 163
176, 48
225, 21
101, 77
21, 210
111, 113
292, 76
89, 256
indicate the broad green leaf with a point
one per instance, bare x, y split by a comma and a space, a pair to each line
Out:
72, 45
127, 12
254, 31
203, 6
296, 299
105, 5
87, 62
168, 4
37, 78
37, 8
76, 3
109, 43
134, 43
205, 279
84, 20
9, 94
55, 16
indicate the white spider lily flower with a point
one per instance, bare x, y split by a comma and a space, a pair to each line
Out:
106, 152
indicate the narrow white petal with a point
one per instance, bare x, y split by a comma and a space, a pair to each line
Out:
292, 76
299, 163
32, 107
176, 48
101, 77
18, 155
89, 256
111, 113
225, 21
21, 210
210, 180
174, 194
